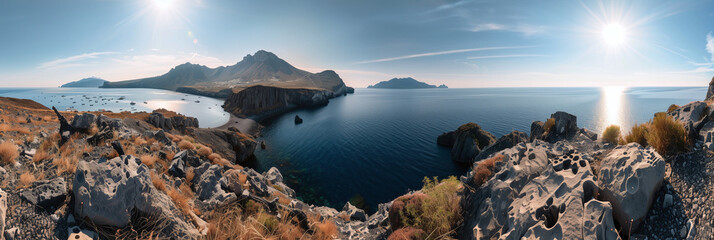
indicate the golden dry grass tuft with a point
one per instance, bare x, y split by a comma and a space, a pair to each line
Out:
8, 152
190, 175
149, 160
181, 197
484, 169
185, 145
204, 151
637, 134
324, 230
157, 181
672, 108
548, 125
26, 180
438, 213
611, 134
40, 156
4, 127
667, 135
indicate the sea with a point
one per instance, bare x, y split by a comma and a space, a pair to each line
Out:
377, 144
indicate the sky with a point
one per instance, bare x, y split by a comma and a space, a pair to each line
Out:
460, 43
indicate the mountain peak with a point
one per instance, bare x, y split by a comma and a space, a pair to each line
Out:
261, 56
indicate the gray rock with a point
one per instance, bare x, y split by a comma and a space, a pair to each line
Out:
3, 210
11, 233
354, 213
177, 122
446, 139
469, 140
107, 194
231, 181
566, 126
629, 178
710, 92
667, 200
507, 141
273, 176
209, 188
83, 122
47, 194
177, 168
537, 130
160, 136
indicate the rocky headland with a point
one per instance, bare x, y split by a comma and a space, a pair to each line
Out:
404, 83
156, 175
92, 82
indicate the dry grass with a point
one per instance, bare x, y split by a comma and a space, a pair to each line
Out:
181, 198
190, 175
611, 134
149, 160
548, 125
242, 178
5, 128
170, 155
324, 230
40, 156
204, 151
26, 180
93, 129
637, 134
282, 199
437, 214
185, 145
8, 152
138, 141
667, 135
484, 169
214, 156
672, 108
234, 222
157, 181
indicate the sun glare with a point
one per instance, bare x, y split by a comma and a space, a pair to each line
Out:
163, 4
614, 34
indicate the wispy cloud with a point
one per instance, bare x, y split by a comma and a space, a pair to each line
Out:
72, 60
507, 56
519, 28
439, 53
710, 45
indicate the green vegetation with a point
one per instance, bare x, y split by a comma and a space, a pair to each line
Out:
638, 134
611, 134
435, 210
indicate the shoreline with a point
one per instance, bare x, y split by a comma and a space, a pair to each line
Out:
244, 125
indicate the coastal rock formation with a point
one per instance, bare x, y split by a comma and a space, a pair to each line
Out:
110, 193
83, 122
208, 187
234, 146
468, 141
176, 122
629, 177
298, 119
507, 141
261, 102
528, 198
693, 115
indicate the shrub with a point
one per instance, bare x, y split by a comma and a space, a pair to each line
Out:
611, 134
149, 160
672, 108
667, 135
185, 145
548, 125
26, 179
438, 212
8, 152
485, 168
407, 234
40, 155
325, 230
204, 151
157, 181
637, 134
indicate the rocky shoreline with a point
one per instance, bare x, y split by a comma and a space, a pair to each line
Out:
157, 175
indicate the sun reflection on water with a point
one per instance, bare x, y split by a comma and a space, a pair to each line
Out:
613, 107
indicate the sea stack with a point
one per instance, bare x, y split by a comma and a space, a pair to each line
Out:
298, 120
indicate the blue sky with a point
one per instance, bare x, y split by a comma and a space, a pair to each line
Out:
458, 43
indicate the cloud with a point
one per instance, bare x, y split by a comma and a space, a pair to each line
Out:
439, 53
521, 28
507, 56
72, 60
710, 45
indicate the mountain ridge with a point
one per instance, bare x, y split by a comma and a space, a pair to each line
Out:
86, 82
404, 83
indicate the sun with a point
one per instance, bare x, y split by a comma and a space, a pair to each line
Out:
614, 34
163, 4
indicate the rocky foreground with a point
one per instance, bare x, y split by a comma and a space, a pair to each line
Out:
156, 175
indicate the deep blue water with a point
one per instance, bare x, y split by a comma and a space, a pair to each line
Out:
380, 143
208, 111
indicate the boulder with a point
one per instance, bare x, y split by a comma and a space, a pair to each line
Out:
83, 122
692, 115
273, 176
160, 136
469, 140
109, 193
117, 147
209, 188
231, 181
47, 194
537, 130
527, 198
354, 213
177, 122
65, 130
177, 168
630, 176
710, 92
298, 120
3, 210
706, 135
566, 126
234, 146
507, 141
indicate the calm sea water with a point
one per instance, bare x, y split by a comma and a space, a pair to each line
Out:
208, 111
380, 143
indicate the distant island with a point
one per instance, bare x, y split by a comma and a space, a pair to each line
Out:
90, 82
404, 83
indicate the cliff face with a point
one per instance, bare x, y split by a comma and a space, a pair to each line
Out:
260, 102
